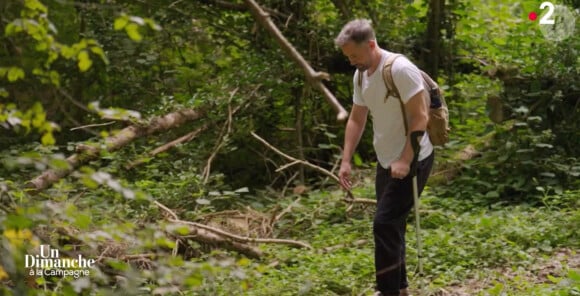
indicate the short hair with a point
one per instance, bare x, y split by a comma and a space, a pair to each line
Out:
358, 31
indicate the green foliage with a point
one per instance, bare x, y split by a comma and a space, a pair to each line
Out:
65, 65
131, 25
33, 119
95, 221
461, 242
536, 82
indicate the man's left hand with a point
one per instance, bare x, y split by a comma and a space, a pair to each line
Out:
400, 169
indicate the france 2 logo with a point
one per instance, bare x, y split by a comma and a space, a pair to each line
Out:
557, 22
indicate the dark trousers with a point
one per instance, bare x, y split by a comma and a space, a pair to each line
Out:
394, 202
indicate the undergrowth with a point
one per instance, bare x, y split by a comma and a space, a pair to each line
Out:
460, 244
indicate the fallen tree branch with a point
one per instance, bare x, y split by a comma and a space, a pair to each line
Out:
288, 184
166, 209
189, 136
312, 76
112, 143
208, 237
92, 125
295, 160
185, 138
199, 226
353, 200
202, 230
350, 198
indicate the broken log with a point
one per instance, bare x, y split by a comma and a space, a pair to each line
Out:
112, 143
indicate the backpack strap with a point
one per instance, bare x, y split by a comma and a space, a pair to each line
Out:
429, 80
392, 88
388, 77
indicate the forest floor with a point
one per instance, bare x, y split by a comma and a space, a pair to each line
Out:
469, 247
543, 273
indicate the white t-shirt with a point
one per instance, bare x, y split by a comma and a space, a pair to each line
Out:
388, 126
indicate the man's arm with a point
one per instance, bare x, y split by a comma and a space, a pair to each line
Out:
416, 110
354, 130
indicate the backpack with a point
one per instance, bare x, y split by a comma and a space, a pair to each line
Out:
438, 124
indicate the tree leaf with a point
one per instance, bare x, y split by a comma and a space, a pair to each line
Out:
499, 41
133, 32
492, 194
47, 139
35, 5
15, 73
84, 61
120, 23
99, 51
357, 160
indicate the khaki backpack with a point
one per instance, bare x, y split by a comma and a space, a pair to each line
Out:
438, 125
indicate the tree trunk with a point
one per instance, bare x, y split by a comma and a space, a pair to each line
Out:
433, 38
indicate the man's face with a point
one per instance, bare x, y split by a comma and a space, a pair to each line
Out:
359, 55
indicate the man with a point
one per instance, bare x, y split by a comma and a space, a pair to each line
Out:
393, 182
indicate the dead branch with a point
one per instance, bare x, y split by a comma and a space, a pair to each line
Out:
295, 160
287, 166
166, 209
197, 227
365, 201
214, 235
288, 184
208, 237
226, 130
115, 142
312, 76
189, 136
183, 139
92, 125
350, 198
71, 118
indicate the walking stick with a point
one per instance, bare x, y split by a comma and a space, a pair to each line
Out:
416, 136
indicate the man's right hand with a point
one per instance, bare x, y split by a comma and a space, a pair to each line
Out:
344, 176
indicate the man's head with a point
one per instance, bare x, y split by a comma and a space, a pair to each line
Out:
357, 42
